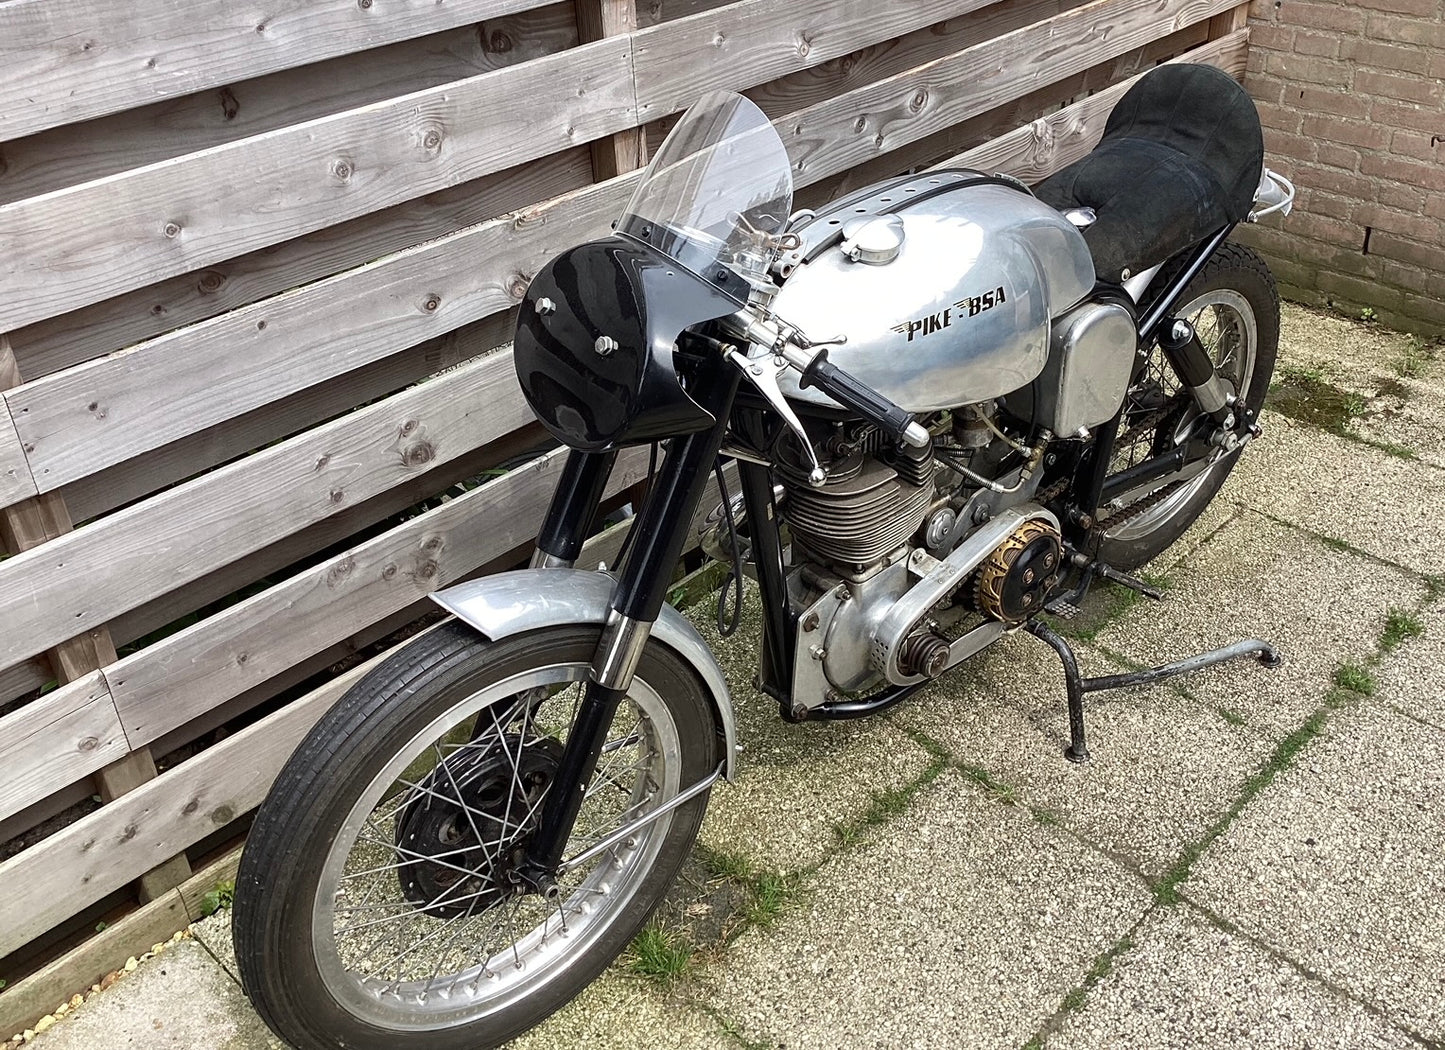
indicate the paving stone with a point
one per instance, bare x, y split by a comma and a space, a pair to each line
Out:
1319, 605
1184, 982
181, 999
214, 934
1163, 769
1400, 382
1338, 864
620, 1011
1376, 502
795, 783
962, 922
1413, 677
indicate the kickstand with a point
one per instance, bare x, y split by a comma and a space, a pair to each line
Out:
1077, 751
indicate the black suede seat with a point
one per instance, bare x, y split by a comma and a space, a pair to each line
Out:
1181, 156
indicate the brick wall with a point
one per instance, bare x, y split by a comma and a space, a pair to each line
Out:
1352, 96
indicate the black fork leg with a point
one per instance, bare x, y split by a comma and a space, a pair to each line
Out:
641, 589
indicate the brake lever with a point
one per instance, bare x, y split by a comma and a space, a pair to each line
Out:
765, 379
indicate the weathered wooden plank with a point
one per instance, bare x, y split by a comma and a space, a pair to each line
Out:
57, 739
808, 87
89, 242
56, 343
932, 149
24, 677
16, 483
31, 817
1038, 150
86, 577
70, 155
108, 848
135, 478
24, 1002
746, 43
68, 62
164, 685
275, 561
627, 149
852, 128
81, 420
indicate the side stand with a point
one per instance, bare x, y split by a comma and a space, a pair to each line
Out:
1267, 654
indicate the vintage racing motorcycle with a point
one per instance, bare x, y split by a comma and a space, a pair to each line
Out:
952, 404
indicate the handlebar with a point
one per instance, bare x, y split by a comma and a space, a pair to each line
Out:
863, 399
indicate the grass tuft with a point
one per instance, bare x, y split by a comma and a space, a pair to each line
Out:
1400, 627
1355, 678
771, 893
659, 954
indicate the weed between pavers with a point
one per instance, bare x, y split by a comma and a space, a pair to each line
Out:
1400, 627
1355, 678
657, 952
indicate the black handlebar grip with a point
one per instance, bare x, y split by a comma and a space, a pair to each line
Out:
864, 400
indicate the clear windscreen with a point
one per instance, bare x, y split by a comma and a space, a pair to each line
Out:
718, 192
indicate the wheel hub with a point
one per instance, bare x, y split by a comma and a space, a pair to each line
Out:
467, 824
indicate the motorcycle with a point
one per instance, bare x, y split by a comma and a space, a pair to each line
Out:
953, 403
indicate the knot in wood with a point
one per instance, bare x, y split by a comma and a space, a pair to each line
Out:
426, 570
89, 743
919, 100
498, 42
342, 170
431, 303
365, 5
420, 453
222, 815
432, 140
211, 282
171, 229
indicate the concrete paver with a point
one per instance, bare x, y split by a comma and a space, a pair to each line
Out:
1400, 382
813, 776
1164, 768
1413, 678
1339, 864
626, 1013
1376, 502
1319, 605
962, 923
144, 1010
1185, 982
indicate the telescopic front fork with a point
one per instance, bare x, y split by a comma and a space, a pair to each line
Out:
659, 533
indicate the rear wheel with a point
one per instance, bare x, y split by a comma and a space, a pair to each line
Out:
374, 904
1234, 307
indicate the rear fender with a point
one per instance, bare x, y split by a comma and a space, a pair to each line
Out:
509, 603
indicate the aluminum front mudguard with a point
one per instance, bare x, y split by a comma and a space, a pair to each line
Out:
509, 603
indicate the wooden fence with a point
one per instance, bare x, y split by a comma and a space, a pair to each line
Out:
252, 274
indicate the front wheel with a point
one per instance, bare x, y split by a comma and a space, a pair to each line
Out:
374, 908
1234, 308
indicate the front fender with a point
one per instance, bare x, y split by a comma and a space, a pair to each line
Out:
509, 603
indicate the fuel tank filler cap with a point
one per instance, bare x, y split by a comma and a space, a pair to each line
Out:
873, 239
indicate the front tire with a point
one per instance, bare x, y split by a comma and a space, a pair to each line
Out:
373, 909
1234, 307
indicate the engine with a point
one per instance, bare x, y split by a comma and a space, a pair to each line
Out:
874, 498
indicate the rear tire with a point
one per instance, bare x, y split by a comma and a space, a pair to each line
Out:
1234, 306
372, 907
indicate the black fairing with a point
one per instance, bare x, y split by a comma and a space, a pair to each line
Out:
631, 293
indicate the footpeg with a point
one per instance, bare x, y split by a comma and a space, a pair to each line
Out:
1125, 580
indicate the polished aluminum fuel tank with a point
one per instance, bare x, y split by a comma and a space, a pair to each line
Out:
944, 285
